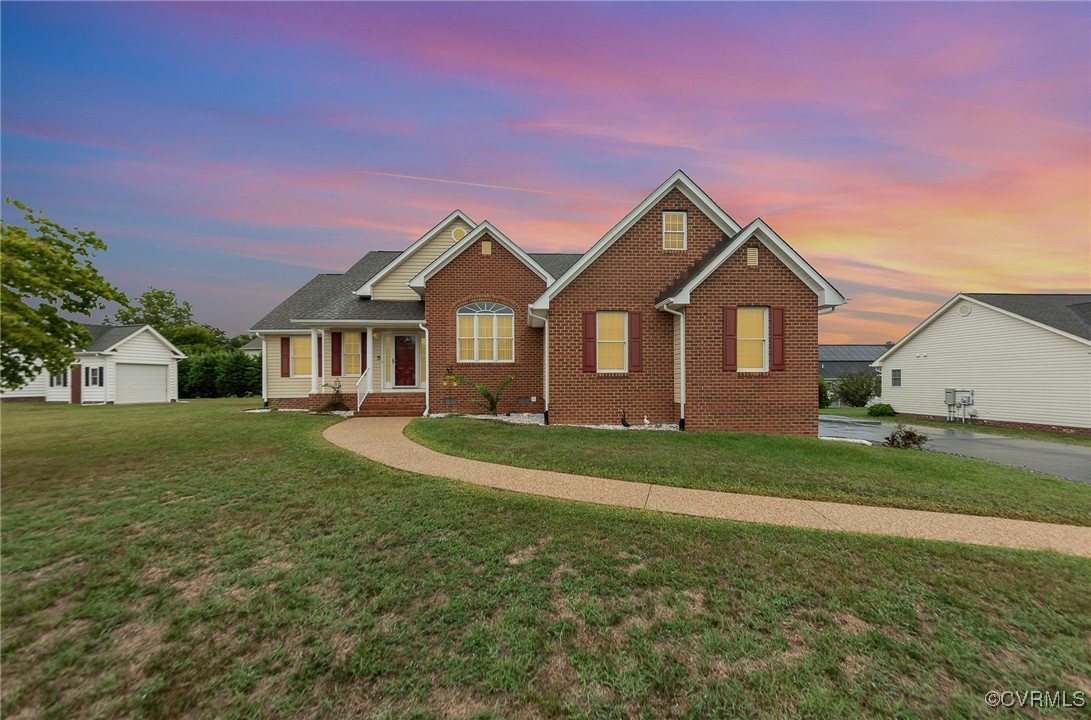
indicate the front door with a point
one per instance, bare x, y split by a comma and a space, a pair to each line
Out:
77, 385
405, 361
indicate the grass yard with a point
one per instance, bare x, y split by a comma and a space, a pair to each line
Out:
192, 560
1046, 435
766, 465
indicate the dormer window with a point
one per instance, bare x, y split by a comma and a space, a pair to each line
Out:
674, 231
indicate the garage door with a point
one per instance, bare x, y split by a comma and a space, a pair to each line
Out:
141, 383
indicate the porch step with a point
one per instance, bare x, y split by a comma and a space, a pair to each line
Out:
392, 405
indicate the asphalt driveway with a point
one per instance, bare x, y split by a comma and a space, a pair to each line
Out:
1068, 461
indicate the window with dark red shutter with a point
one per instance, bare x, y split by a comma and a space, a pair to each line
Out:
285, 356
730, 346
776, 339
636, 342
321, 359
363, 353
589, 363
335, 350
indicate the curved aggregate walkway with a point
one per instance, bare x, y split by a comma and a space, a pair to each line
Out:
383, 440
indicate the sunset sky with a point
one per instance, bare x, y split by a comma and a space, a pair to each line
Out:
231, 151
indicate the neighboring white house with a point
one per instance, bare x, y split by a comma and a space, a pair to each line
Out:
1009, 358
253, 348
122, 364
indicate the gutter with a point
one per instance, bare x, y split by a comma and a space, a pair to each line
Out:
545, 374
427, 369
682, 404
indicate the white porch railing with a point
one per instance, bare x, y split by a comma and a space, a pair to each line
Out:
363, 387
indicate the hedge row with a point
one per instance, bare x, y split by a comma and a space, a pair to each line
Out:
219, 374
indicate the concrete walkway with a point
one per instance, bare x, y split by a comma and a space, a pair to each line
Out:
383, 440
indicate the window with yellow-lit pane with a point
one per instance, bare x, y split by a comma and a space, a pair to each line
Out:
486, 333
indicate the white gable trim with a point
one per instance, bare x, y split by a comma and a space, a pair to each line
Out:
147, 328
966, 298
418, 282
366, 288
828, 295
680, 181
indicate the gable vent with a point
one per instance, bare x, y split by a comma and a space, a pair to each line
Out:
486, 247
458, 233
752, 256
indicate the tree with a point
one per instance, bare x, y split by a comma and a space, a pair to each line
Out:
855, 390
192, 339
158, 308
46, 270
200, 375
823, 393
241, 339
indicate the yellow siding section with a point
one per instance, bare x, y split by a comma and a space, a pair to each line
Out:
393, 286
277, 386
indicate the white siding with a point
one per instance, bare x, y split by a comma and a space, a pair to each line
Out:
1019, 372
143, 347
35, 388
277, 386
60, 393
393, 286
96, 394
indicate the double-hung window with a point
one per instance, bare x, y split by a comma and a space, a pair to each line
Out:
58, 380
753, 339
611, 341
351, 349
674, 230
94, 376
486, 333
301, 356
895, 378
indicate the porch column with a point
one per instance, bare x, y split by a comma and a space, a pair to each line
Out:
315, 360
370, 350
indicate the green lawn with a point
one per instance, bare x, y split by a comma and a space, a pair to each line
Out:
1047, 435
768, 465
193, 560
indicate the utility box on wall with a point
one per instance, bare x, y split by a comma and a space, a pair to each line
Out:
949, 396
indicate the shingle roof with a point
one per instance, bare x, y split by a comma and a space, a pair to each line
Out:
850, 353
556, 264
332, 297
1070, 313
254, 344
694, 269
103, 337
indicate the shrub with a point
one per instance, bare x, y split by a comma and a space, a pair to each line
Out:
490, 399
823, 394
337, 401
906, 438
855, 390
881, 410
237, 375
201, 372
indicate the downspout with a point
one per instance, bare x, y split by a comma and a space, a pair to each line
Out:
427, 369
682, 404
545, 377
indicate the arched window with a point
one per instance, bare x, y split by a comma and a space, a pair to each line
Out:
486, 333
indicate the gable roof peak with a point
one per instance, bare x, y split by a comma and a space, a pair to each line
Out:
419, 280
367, 288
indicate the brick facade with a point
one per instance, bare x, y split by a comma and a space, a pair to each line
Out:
628, 276
782, 402
473, 277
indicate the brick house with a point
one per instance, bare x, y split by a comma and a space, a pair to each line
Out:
678, 314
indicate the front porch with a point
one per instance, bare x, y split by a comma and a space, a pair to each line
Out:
380, 371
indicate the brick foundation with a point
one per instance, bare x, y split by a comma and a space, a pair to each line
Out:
38, 399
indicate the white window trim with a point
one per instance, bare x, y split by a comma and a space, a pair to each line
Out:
58, 380
899, 376
495, 340
685, 230
625, 342
292, 356
765, 340
344, 354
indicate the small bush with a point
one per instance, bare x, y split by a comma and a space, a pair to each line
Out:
823, 394
855, 390
490, 398
881, 410
906, 438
